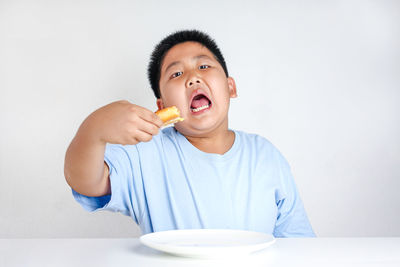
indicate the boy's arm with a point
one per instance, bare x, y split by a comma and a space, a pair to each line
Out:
119, 123
85, 170
292, 218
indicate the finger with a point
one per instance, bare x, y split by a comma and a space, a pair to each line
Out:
149, 128
143, 136
151, 117
134, 141
130, 140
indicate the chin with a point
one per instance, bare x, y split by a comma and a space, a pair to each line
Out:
198, 128
191, 131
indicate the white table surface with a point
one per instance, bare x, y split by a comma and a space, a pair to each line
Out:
130, 252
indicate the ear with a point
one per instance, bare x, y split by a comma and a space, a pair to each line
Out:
160, 104
232, 87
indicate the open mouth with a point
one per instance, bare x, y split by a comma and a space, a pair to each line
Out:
200, 102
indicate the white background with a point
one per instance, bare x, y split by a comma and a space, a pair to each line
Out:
319, 79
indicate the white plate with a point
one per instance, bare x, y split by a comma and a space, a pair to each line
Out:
208, 243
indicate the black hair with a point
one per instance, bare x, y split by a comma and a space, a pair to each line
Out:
159, 52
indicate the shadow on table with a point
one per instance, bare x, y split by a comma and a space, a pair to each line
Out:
255, 259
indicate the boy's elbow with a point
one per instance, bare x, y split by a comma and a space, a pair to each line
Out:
87, 184
68, 178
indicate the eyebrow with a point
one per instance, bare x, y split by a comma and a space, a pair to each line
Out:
178, 62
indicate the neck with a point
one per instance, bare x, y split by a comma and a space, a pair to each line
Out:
218, 142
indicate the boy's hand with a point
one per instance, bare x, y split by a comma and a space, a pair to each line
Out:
123, 123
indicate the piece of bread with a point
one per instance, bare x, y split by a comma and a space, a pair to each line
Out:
169, 115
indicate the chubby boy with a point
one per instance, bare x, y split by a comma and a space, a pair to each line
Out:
197, 174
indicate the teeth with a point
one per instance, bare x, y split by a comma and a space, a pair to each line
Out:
200, 108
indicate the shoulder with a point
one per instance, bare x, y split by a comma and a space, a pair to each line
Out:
160, 148
166, 135
260, 145
252, 139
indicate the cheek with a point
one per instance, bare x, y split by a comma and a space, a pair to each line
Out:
223, 89
216, 79
174, 95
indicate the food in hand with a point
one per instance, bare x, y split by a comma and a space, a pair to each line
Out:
169, 115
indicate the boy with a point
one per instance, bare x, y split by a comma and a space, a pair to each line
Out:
197, 174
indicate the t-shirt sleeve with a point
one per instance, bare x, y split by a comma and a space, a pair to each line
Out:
292, 220
126, 184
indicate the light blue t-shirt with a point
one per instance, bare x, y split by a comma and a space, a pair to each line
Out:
168, 184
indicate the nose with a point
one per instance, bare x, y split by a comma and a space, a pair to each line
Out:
190, 83
192, 80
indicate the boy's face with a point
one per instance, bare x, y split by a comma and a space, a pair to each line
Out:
194, 81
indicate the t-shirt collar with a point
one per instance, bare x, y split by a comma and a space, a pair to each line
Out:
198, 153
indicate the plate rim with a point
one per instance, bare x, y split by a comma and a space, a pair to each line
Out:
193, 251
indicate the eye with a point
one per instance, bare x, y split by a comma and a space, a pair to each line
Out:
202, 67
176, 74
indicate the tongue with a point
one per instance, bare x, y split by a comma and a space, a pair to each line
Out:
196, 103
